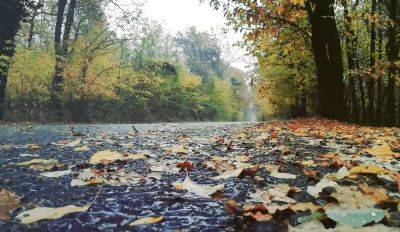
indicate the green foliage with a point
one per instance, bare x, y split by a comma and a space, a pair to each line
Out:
134, 72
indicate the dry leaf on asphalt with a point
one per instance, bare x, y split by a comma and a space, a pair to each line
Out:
37, 161
228, 174
106, 156
201, 190
55, 174
282, 175
8, 202
74, 143
146, 220
41, 213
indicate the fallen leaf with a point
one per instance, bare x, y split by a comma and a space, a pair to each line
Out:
42, 164
146, 220
180, 150
55, 174
340, 174
159, 167
201, 190
41, 213
356, 217
228, 174
310, 173
282, 175
304, 206
350, 197
32, 146
383, 152
272, 208
315, 190
318, 226
377, 194
369, 168
261, 217
37, 161
136, 156
105, 157
74, 143
241, 158
308, 163
81, 149
270, 167
8, 202
28, 155
185, 165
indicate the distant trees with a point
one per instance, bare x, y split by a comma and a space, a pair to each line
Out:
95, 60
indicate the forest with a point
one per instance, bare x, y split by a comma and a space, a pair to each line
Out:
337, 59
74, 61
94, 61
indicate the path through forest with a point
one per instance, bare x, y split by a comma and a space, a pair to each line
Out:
299, 174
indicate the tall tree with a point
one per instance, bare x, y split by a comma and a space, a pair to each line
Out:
328, 58
351, 53
61, 49
379, 93
392, 54
11, 14
371, 80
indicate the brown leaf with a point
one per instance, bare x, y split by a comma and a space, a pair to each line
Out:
261, 217
8, 202
310, 173
377, 194
185, 165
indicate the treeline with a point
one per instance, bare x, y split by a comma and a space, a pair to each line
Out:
93, 60
338, 59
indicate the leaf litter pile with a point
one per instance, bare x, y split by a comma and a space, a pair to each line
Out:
298, 175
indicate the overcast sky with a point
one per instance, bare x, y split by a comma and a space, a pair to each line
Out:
177, 15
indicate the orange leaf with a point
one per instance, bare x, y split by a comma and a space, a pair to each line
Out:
185, 165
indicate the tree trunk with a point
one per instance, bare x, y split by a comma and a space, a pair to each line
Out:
11, 14
362, 97
371, 80
392, 54
328, 59
351, 42
61, 50
57, 79
379, 94
35, 13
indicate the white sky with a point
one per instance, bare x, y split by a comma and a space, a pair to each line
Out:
178, 15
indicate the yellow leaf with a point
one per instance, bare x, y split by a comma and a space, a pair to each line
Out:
136, 156
384, 152
370, 168
304, 206
82, 149
37, 161
106, 157
41, 213
146, 220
